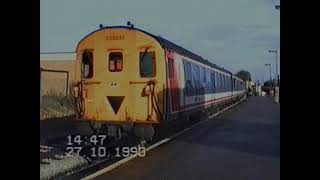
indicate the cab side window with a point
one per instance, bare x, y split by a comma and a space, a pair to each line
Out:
87, 64
147, 62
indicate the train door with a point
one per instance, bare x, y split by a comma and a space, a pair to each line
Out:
111, 94
174, 82
144, 105
213, 85
234, 89
231, 81
82, 92
216, 86
116, 91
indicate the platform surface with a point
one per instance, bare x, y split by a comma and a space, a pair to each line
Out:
243, 143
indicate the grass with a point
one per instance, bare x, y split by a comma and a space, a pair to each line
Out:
56, 105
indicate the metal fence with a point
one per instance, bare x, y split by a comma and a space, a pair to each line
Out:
53, 82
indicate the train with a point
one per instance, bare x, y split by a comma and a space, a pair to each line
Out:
129, 81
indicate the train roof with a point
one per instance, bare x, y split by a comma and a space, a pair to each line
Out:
170, 45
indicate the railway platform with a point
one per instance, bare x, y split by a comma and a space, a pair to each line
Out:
241, 143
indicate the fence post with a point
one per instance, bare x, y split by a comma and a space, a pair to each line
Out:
67, 85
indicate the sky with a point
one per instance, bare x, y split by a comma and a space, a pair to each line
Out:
234, 34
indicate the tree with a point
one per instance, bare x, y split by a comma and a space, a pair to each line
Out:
266, 83
245, 75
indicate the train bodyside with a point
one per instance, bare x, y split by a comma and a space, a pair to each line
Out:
194, 86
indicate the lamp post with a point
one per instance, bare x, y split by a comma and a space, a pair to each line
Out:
277, 75
270, 77
277, 7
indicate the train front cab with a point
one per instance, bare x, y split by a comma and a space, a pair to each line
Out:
122, 77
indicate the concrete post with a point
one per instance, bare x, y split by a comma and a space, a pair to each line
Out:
40, 87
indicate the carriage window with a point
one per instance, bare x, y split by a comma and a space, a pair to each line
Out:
221, 81
227, 82
213, 74
196, 78
208, 83
217, 80
115, 61
147, 64
87, 64
204, 75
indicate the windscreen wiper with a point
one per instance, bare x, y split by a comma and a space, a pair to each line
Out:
145, 52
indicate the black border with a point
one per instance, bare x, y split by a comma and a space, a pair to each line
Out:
299, 92
20, 69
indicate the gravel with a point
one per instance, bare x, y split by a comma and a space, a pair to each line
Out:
60, 164
53, 139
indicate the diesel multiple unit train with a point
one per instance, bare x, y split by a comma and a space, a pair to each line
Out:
129, 81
